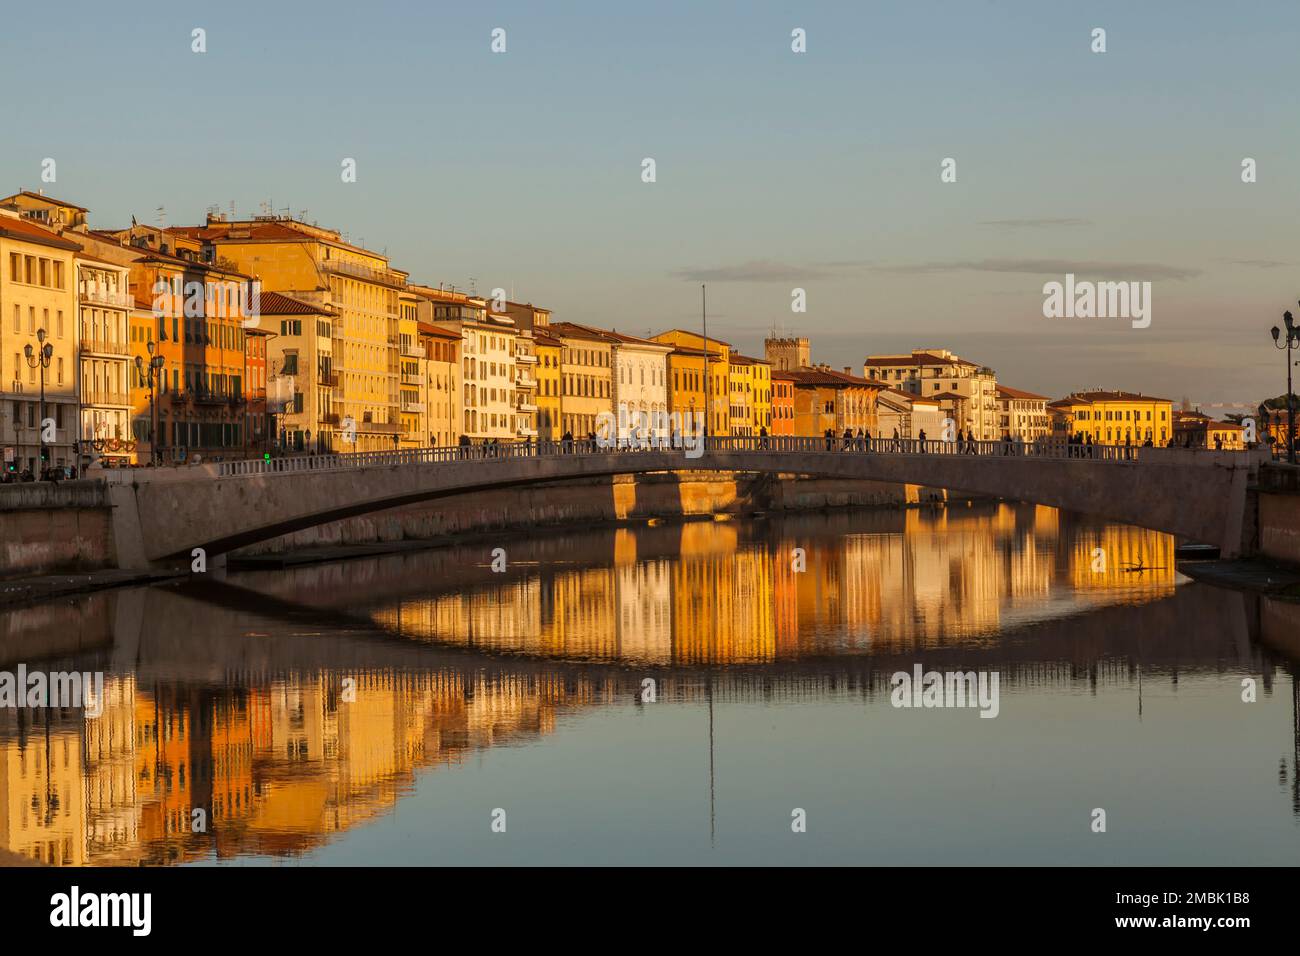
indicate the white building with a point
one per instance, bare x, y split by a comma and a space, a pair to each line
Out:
104, 362
908, 415
968, 391
488, 375
1022, 415
640, 376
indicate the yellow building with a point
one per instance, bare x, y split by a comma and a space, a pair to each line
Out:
718, 384
686, 384
586, 370
549, 381
38, 308
316, 265
1113, 417
750, 384
412, 386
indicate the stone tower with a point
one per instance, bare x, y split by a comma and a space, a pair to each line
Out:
787, 354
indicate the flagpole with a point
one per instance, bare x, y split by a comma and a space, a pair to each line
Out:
708, 391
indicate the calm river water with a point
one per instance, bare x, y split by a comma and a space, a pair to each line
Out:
708, 692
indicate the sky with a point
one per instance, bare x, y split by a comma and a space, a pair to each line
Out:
774, 170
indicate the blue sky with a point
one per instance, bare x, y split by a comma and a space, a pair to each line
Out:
774, 169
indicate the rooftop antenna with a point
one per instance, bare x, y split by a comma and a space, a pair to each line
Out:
162, 217
232, 209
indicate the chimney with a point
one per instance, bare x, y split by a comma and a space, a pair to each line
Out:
848, 370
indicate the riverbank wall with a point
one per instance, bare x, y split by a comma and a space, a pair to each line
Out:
1279, 513
47, 528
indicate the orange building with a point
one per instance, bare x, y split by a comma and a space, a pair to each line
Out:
782, 402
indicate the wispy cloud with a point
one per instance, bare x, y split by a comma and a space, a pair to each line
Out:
1112, 271
763, 270
1035, 223
1256, 263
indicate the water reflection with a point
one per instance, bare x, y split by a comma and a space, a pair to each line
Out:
290, 707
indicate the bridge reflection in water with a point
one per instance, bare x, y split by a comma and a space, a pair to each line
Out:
231, 696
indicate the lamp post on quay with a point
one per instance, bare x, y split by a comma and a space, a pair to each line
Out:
147, 372
40, 358
1292, 342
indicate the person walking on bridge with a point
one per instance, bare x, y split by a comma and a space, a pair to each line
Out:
830, 440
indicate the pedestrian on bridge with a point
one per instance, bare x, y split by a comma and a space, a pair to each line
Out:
830, 440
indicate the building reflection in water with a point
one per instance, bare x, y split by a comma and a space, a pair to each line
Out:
288, 724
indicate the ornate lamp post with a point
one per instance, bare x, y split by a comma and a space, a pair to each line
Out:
1292, 342
40, 358
147, 372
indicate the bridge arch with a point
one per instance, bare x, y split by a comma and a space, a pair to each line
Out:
160, 515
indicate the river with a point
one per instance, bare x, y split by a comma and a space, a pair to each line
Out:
706, 692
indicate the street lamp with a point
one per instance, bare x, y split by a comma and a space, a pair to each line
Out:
40, 358
1292, 342
147, 372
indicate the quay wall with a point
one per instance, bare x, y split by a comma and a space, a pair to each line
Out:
1279, 512
47, 528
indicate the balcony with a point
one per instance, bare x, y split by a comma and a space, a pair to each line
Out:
523, 431
524, 380
329, 418
412, 351
526, 357
411, 378
96, 294
97, 396
102, 347
357, 271
527, 407
415, 407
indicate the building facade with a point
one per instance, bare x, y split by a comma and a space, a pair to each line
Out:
932, 373
586, 377
316, 265
1113, 417
640, 380
38, 308
106, 368
1022, 415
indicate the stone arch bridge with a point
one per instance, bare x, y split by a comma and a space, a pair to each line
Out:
160, 515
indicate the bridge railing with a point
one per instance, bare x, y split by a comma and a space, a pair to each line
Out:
802, 445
